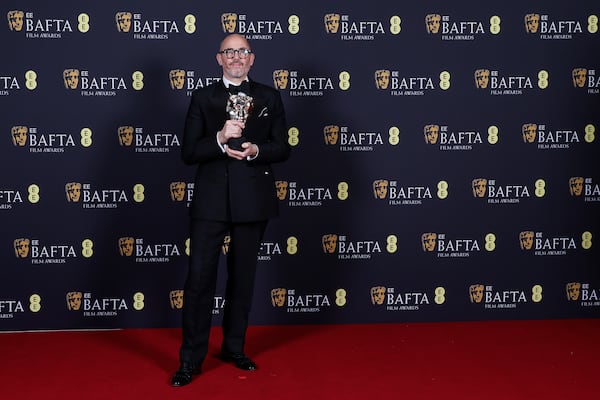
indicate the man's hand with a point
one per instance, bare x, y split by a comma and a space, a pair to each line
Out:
231, 129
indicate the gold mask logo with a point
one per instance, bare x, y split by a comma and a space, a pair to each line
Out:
526, 240
226, 244
73, 191
329, 242
332, 23
177, 190
331, 134
281, 188
126, 246
21, 246
378, 295
125, 134
281, 78
19, 135
429, 241
479, 187
278, 297
74, 301
380, 188
123, 19
15, 20
71, 78
576, 185
229, 22
482, 78
177, 78
579, 77
573, 291
532, 23
382, 78
431, 133
529, 132
476, 293
432, 23
176, 299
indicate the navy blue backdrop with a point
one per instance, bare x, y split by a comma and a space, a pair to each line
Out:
444, 164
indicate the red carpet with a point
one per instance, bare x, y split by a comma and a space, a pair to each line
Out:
471, 360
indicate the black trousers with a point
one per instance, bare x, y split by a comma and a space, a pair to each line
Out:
198, 298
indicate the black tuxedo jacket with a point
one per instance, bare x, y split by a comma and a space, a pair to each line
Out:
226, 189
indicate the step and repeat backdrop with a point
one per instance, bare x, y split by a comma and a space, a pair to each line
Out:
445, 162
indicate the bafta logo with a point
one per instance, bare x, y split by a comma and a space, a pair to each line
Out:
73, 191
176, 299
377, 295
332, 23
576, 185
479, 186
15, 20
529, 132
532, 23
329, 242
380, 188
281, 188
228, 22
278, 297
526, 240
19, 135
123, 19
432, 23
382, 79
71, 78
177, 78
431, 133
573, 291
482, 78
331, 134
74, 301
125, 135
579, 77
226, 245
177, 190
126, 246
280, 78
428, 241
476, 293
21, 246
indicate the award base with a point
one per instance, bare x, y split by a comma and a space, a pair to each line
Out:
236, 143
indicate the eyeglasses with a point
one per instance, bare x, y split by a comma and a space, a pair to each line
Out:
241, 53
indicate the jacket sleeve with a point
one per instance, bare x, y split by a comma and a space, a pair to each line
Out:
199, 136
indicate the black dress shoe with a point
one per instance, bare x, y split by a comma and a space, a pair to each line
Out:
184, 374
240, 360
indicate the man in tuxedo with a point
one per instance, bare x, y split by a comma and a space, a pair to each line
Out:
234, 193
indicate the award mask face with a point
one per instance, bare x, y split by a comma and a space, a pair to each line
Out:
239, 106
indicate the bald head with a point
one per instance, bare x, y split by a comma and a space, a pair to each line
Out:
234, 40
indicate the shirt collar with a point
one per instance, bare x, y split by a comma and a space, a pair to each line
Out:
227, 82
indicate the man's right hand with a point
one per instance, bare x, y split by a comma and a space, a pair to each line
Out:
231, 129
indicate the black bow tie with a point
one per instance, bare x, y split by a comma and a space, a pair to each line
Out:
244, 87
